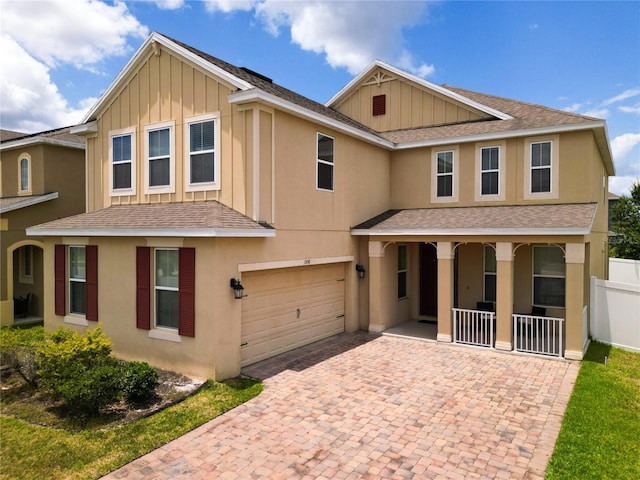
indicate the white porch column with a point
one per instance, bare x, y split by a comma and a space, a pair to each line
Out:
446, 255
504, 296
376, 294
574, 299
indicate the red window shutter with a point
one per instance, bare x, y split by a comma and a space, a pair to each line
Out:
379, 104
60, 263
143, 288
91, 286
186, 296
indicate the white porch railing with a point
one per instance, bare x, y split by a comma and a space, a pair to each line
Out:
473, 327
539, 335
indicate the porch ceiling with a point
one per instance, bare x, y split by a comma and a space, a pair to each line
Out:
563, 219
197, 219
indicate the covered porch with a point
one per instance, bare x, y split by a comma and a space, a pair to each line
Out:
504, 289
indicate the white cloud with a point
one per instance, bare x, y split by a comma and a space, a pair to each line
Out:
29, 100
573, 108
169, 4
228, 6
622, 185
633, 92
39, 37
597, 113
623, 144
627, 109
349, 34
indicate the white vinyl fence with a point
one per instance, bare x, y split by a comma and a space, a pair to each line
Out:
615, 313
624, 271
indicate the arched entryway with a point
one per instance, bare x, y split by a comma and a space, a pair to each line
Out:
25, 280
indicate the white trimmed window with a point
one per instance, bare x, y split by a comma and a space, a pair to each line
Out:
324, 163
490, 171
24, 166
77, 280
202, 164
541, 168
490, 274
548, 276
166, 288
26, 264
444, 175
160, 158
402, 271
122, 156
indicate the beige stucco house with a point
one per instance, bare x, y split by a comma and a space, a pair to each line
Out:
398, 200
41, 179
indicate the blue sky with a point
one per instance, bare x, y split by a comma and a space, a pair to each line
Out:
584, 57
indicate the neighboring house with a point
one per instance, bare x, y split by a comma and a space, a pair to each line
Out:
41, 179
397, 200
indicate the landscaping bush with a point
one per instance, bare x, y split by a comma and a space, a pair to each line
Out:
139, 381
91, 389
18, 351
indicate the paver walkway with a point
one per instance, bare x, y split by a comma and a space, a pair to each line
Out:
361, 406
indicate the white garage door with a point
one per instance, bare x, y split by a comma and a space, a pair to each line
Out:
287, 308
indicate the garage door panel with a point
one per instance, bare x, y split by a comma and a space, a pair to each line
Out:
289, 308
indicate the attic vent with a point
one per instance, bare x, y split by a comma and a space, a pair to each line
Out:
256, 74
379, 105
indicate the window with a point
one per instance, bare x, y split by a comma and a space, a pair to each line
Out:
490, 274
76, 275
324, 162
24, 175
159, 174
548, 277
169, 294
541, 167
77, 279
123, 165
166, 288
202, 167
444, 174
490, 170
26, 264
402, 271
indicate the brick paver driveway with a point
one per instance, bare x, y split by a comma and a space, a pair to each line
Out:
361, 406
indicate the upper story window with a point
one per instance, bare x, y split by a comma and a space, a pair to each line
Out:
324, 176
444, 174
160, 158
122, 154
202, 164
541, 168
490, 171
24, 166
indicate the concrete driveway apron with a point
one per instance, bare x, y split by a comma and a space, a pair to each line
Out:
362, 406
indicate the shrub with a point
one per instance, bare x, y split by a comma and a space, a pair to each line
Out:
139, 381
91, 389
18, 351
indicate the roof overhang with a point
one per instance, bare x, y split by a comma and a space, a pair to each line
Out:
151, 232
473, 232
37, 140
257, 95
29, 201
420, 81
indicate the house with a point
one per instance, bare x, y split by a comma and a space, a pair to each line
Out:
41, 179
230, 219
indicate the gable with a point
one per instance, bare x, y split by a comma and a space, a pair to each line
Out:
384, 100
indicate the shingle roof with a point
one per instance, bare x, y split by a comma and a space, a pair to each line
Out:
10, 135
542, 219
162, 219
8, 204
60, 134
525, 115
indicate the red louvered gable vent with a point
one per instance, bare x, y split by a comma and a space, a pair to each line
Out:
379, 105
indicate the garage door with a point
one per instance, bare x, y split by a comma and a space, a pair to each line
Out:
287, 308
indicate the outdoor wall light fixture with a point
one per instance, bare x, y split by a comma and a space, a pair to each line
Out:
238, 289
361, 271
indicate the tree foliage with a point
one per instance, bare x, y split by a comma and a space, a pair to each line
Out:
625, 222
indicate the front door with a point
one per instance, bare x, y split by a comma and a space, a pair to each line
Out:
428, 280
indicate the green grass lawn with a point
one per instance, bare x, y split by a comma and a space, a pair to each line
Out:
28, 451
600, 433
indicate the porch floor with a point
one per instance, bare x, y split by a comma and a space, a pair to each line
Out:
27, 320
415, 329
